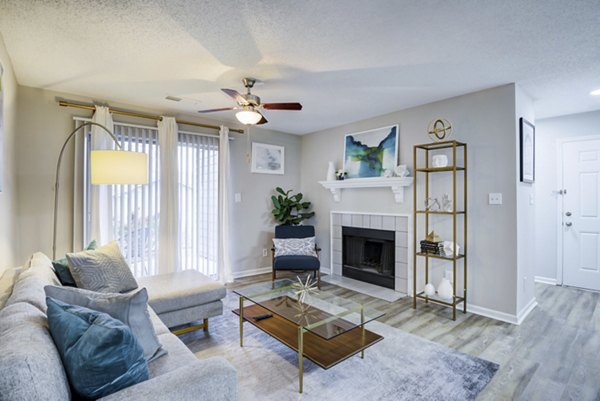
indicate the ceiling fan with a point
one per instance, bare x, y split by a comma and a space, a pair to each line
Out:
249, 105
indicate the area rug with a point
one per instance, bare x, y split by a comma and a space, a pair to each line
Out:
401, 367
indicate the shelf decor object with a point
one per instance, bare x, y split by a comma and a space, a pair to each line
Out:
396, 184
432, 247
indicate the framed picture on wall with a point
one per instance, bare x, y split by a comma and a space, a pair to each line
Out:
527, 146
370, 153
267, 159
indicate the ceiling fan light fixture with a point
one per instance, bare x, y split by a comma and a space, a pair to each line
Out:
248, 116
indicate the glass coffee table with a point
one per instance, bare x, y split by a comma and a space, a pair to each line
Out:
319, 326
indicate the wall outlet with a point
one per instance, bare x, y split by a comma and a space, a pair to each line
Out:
237, 197
265, 252
495, 199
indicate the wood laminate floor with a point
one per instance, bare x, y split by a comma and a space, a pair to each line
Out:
553, 355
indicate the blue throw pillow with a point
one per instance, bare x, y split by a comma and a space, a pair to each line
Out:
100, 354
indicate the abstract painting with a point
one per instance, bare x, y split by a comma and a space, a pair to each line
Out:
267, 159
370, 153
527, 138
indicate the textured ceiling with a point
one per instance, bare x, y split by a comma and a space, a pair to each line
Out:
343, 60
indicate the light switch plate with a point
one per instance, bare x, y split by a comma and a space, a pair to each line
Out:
495, 199
237, 197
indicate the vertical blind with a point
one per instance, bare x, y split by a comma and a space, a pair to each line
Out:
136, 208
198, 162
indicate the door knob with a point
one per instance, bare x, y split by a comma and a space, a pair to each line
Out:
568, 214
568, 224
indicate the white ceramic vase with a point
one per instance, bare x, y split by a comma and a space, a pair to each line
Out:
445, 289
331, 172
429, 289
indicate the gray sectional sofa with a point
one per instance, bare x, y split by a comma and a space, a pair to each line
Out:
31, 368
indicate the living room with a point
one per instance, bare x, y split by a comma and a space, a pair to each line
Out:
521, 319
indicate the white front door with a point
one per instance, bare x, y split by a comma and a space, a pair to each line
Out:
581, 214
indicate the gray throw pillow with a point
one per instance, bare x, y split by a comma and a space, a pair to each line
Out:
295, 246
131, 309
102, 270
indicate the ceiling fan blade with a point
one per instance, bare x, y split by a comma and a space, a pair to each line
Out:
213, 110
282, 106
263, 120
236, 95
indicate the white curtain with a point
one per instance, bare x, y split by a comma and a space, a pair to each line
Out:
101, 195
169, 203
225, 275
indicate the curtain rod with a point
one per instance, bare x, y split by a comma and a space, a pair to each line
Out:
87, 106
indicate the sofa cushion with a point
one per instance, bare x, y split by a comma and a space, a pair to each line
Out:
30, 365
29, 287
296, 263
100, 353
7, 282
102, 270
178, 355
130, 308
61, 267
175, 291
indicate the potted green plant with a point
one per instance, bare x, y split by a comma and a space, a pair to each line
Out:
290, 209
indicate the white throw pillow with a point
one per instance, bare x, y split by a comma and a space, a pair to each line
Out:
295, 246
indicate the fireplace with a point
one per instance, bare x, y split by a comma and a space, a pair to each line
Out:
369, 255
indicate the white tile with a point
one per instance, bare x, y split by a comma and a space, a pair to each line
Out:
402, 223
401, 285
401, 270
336, 257
401, 239
336, 219
337, 244
336, 232
389, 223
357, 220
386, 294
337, 269
346, 220
401, 255
366, 221
376, 222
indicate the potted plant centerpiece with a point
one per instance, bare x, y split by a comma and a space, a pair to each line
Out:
290, 209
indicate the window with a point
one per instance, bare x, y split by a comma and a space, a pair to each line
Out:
134, 210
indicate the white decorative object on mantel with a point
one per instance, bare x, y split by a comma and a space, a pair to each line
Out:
396, 184
331, 172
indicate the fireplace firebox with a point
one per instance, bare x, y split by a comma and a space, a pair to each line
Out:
369, 255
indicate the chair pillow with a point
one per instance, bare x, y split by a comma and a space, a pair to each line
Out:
102, 270
295, 246
130, 308
61, 267
99, 353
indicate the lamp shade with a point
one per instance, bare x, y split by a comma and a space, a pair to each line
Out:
248, 117
118, 167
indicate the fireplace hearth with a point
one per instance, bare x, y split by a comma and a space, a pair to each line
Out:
369, 255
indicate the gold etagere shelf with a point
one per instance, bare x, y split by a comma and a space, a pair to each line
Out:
423, 173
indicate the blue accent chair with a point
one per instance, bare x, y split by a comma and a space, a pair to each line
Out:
302, 263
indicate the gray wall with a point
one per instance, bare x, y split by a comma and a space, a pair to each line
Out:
526, 229
42, 128
486, 121
8, 196
546, 220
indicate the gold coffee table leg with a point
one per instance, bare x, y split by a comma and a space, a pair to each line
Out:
362, 325
241, 321
300, 357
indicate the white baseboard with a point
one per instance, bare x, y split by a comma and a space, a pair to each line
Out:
252, 272
266, 269
493, 314
526, 310
503, 316
545, 280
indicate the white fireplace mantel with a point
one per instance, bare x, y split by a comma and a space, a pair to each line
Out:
396, 184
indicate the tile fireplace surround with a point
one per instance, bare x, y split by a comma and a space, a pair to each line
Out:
399, 223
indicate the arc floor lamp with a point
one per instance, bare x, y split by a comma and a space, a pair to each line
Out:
106, 167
